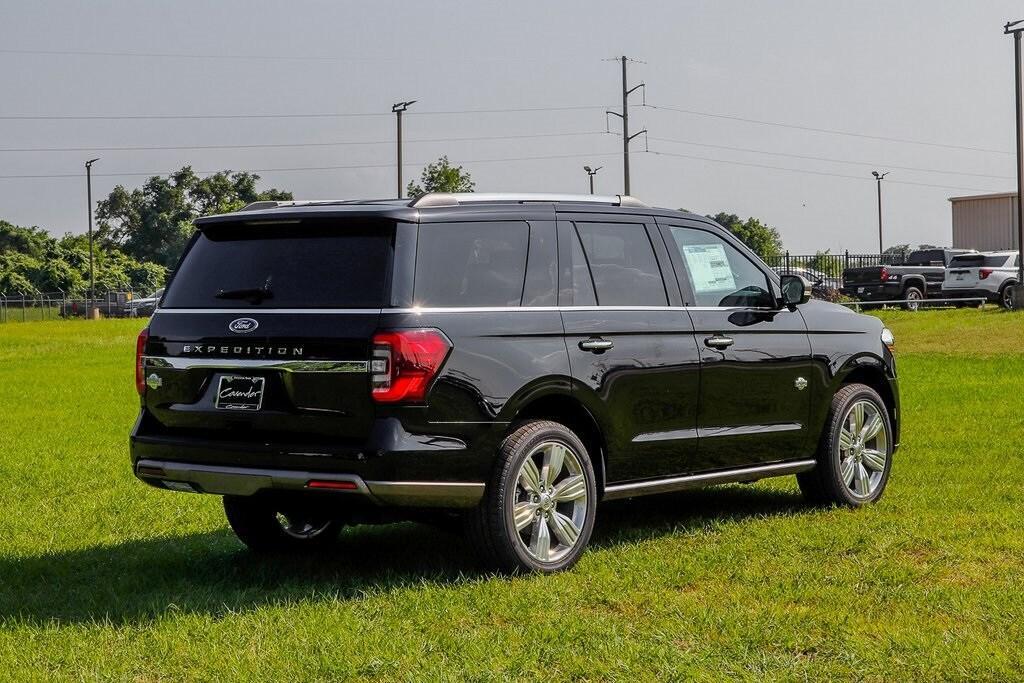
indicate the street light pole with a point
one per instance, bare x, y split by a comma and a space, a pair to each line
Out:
878, 181
592, 172
88, 193
398, 108
1018, 290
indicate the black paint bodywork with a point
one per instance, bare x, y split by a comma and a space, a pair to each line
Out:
659, 403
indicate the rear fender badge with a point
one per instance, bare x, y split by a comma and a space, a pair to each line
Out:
243, 325
800, 383
154, 382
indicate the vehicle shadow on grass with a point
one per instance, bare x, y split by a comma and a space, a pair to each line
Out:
209, 573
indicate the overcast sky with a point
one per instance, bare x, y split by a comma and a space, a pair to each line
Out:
927, 71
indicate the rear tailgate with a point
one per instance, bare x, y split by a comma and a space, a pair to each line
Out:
860, 276
265, 331
296, 378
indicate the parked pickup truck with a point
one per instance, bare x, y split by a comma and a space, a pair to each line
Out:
920, 277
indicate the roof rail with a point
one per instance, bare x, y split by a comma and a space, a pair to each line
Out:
432, 199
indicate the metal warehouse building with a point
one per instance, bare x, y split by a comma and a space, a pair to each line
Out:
986, 222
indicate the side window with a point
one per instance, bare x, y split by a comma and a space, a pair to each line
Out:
718, 273
471, 264
582, 284
622, 264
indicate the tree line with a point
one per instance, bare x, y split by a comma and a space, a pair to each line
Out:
140, 233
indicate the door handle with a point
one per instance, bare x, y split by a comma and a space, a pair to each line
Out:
596, 345
719, 341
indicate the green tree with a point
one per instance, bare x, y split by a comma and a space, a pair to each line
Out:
153, 223
31, 260
762, 239
441, 176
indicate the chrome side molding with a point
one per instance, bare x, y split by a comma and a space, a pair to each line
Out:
743, 474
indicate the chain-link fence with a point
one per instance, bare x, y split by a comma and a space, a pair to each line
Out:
31, 306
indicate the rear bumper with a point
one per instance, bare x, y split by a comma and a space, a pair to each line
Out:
247, 481
390, 467
874, 292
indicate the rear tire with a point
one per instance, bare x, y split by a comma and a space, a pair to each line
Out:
1006, 297
538, 511
855, 453
914, 297
265, 527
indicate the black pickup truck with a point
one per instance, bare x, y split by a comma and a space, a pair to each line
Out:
920, 277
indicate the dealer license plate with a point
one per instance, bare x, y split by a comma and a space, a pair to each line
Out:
236, 392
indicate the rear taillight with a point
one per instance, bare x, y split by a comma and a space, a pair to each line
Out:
883, 274
140, 350
405, 362
984, 273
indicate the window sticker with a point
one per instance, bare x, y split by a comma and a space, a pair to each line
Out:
709, 268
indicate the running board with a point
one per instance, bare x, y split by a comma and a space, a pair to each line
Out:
745, 474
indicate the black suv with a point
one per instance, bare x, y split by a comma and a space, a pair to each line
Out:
510, 360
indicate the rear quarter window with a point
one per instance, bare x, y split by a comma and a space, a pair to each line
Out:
471, 264
317, 264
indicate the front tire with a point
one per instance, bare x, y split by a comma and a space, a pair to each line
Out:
538, 512
267, 527
855, 454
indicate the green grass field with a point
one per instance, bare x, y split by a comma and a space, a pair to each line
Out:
102, 577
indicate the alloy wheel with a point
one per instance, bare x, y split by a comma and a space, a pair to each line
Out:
549, 508
863, 448
913, 300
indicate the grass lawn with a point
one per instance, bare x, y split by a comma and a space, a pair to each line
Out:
102, 577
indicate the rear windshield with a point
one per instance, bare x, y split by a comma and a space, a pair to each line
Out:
307, 265
929, 257
979, 260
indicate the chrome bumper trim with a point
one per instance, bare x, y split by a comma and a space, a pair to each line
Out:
744, 474
186, 363
245, 481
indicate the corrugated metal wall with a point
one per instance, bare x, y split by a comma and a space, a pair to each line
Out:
986, 224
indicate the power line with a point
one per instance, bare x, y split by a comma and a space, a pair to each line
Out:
181, 55
830, 131
810, 172
830, 159
141, 148
324, 115
311, 168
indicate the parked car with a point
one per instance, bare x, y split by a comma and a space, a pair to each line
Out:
510, 360
144, 306
920, 277
822, 286
987, 275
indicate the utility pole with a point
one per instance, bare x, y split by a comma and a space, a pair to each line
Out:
626, 137
1018, 290
592, 172
878, 181
88, 193
398, 108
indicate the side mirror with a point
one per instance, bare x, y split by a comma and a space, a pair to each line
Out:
795, 290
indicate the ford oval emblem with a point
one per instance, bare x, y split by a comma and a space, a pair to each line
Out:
243, 325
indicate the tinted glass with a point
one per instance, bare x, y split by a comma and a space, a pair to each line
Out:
622, 264
978, 260
927, 257
320, 265
582, 285
471, 264
718, 273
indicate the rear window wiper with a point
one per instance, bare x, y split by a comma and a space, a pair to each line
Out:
253, 294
